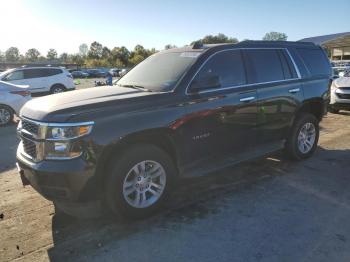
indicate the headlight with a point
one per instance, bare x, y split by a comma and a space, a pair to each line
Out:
62, 143
67, 132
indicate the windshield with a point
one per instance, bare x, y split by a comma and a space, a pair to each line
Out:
159, 72
5, 72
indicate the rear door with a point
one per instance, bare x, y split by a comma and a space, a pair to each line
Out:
35, 77
221, 119
279, 92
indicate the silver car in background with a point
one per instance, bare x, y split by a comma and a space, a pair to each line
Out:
340, 93
12, 98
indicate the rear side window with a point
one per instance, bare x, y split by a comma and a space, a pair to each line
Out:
53, 71
315, 61
33, 73
41, 72
264, 65
227, 66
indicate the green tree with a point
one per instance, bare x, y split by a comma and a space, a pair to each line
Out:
95, 51
275, 36
12, 54
135, 59
2, 57
83, 50
106, 53
51, 54
216, 39
76, 59
32, 55
64, 58
169, 46
120, 56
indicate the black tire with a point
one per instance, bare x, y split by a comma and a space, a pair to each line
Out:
333, 110
292, 148
9, 115
55, 89
115, 199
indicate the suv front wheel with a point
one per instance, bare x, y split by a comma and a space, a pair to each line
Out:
139, 181
303, 138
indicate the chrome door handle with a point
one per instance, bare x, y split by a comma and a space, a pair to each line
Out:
295, 90
247, 99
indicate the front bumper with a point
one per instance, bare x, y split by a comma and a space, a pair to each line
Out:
340, 99
66, 180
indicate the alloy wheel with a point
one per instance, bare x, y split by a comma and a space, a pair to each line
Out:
306, 137
144, 184
5, 116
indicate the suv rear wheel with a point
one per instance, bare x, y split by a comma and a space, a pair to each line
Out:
57, 89
302, 141
139, 181
6, 115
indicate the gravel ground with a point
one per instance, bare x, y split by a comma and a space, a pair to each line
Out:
270, 209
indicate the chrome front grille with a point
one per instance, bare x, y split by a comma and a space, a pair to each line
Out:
29, 147
31, 127
30, 133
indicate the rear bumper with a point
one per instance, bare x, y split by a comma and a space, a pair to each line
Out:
68, 180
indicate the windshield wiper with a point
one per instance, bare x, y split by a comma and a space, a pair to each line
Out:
136, 87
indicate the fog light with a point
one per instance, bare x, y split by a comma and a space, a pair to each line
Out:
60, 147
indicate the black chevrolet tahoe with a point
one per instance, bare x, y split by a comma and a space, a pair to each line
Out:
179, 113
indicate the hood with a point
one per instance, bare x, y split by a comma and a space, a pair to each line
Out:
63, 105
342, 82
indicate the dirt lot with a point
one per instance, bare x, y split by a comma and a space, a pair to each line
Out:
270, 209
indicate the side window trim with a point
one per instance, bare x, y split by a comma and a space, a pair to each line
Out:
245, 85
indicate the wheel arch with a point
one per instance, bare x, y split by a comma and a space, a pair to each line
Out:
58, 84
314, 106
162, 138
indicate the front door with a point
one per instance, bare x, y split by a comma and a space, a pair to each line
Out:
221, 110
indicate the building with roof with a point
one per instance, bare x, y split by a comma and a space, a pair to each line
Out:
337, 45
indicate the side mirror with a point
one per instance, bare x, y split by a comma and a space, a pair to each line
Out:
203, 83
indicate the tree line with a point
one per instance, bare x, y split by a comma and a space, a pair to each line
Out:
97, 55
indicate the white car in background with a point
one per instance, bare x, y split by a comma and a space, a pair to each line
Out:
12, 98
40, 79
340, 94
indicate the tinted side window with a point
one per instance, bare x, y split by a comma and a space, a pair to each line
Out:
227, 66
264, 65
287, 66
315, 60
15, 75
53, 71
33, 73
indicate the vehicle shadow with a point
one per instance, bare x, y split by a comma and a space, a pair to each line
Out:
195, 200
9, 143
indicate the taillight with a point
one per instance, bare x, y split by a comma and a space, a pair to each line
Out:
70, 76
21, 93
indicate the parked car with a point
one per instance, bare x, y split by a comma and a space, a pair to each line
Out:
12, 98
340, 94
79, 74
115, 72
96, 73
40, 79
179, 113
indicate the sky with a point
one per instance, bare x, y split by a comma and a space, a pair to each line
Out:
64, 25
